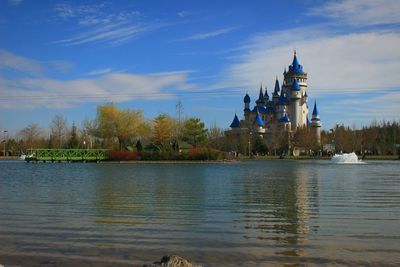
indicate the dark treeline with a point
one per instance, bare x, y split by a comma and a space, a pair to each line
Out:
379, 138
165, 137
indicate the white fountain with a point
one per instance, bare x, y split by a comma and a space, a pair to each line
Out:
346, 158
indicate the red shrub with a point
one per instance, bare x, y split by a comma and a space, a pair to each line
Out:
122, 155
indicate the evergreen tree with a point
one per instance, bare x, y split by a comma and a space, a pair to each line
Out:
73, 141
194, 132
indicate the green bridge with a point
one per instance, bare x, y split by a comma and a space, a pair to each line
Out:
58, 155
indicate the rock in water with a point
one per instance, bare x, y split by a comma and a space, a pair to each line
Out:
172, 261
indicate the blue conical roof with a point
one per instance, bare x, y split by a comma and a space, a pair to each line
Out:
296, 85
235, 123
295, 62
259, 121
284, 119
295, 67
266, 96
277, 87
261, 94
315, 111
246, 98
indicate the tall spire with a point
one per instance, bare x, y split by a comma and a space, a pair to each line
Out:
266, 96
315, 120
277, 87
235, 123
246, 98
295, 68
316, 124
315, 110
261, 95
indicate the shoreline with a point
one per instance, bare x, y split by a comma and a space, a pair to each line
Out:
367, 158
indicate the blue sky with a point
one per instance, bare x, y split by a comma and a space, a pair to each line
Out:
67, 57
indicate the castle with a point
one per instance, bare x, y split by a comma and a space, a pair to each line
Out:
285, 111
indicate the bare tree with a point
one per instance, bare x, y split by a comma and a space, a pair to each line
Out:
59, 129
31, 136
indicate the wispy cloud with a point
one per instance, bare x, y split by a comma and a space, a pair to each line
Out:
31, 93
27, 66
360, 12
34, 91
207, 35
184, 13
99, 72
97, 24
11, 61
14, 2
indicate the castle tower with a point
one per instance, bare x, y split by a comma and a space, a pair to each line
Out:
258, 124
295, 80
246, 109
281, 106
275, 95
285, 121
261, 101
266, 96
294, 107
235, 125
316, 124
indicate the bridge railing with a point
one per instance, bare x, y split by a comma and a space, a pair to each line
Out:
68, 154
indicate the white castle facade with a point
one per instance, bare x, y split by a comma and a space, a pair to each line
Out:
286, 110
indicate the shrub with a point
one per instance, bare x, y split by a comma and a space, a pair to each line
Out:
117, 155
197, 153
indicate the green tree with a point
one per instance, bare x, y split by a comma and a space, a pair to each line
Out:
73, 141
164, 131
120, 125
194, 132
259, 145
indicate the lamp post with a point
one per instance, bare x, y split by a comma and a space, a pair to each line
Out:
332, 131
4, 142
250, 134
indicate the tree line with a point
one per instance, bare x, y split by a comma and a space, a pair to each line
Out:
126, 129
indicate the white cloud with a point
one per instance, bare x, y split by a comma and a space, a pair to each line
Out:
113, 34
361, 12
117, 87
9, 60
207, 35
347, 63
99, 23
184, 14
99, 72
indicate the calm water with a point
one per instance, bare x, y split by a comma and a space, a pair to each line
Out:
257, 213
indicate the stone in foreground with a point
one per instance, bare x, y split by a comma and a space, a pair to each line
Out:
172, 261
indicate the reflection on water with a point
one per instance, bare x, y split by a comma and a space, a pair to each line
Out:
255, 213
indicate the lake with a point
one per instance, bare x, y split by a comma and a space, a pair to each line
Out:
250, 213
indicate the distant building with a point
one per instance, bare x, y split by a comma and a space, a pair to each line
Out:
286, 110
